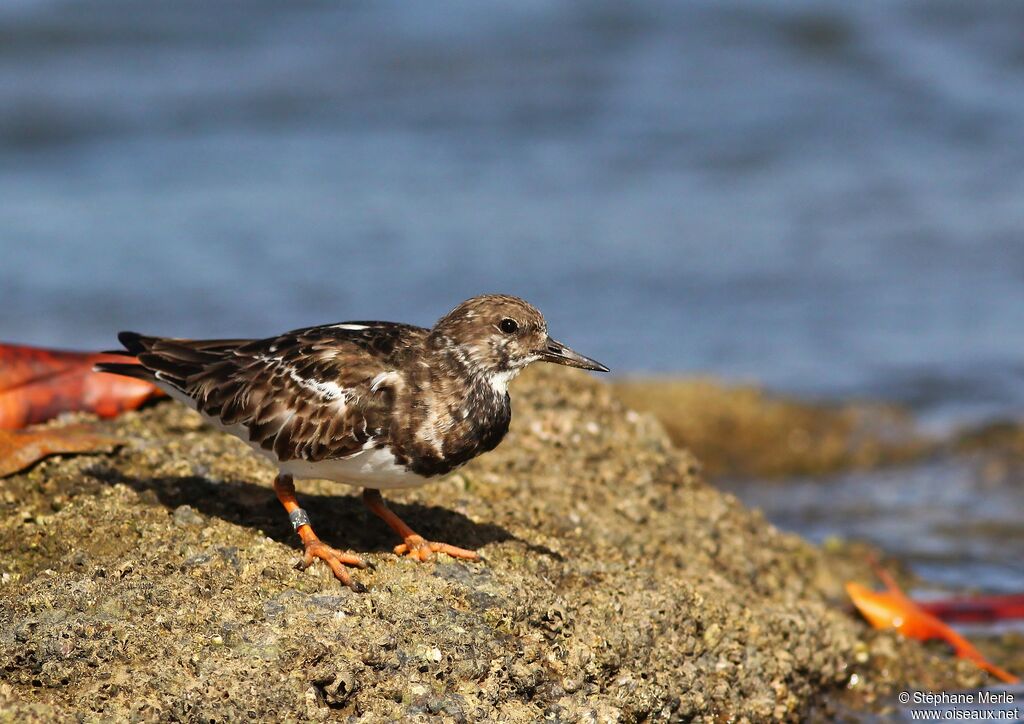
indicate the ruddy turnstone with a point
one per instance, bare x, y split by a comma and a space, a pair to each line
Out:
370, 404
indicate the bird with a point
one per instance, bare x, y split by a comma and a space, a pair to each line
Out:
373, 405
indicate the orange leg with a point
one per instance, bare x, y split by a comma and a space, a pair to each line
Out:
414, 546
315, 548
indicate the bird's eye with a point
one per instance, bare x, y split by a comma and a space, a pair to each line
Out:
508, 326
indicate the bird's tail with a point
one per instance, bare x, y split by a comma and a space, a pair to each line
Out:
127, 369
168, 360
134, 344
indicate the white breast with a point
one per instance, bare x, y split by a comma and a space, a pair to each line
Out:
367, 468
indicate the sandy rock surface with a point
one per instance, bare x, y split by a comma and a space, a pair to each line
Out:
157, 584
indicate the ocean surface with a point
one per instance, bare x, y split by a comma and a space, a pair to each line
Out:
826, 197
950, 519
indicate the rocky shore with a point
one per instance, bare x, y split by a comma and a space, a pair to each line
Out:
617, 585
744, 431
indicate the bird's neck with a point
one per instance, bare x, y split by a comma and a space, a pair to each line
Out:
463, 410
447, 360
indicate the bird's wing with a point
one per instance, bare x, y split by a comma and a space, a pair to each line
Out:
312, 394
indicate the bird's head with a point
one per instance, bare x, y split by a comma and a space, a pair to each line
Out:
498, 335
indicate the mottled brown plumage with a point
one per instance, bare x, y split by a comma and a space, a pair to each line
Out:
374, 404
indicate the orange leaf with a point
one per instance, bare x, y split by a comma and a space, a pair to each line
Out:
22, 449
38, 384
894, 609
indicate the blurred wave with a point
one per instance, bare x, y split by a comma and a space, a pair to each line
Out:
825, 197
951, 522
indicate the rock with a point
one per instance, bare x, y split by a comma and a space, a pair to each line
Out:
617, 585
185, 515
743, 431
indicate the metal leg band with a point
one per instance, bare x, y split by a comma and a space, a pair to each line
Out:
299, 518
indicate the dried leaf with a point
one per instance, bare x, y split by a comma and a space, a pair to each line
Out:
22, 449
892, 608
38, 384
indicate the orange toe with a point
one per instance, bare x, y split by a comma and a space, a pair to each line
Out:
335, 560
417, 548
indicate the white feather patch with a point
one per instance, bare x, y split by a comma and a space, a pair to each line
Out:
384, 378
499, 380
373, 468
327, 389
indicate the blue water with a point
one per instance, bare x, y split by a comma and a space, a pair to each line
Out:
954, 522
826, 197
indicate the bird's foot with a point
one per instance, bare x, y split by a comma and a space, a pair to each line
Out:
335, 560
417, 548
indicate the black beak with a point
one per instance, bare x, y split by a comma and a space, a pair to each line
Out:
554, 351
